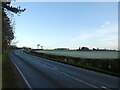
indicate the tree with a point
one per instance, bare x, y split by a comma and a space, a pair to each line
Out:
38, 46
7, 26
41, 47
85, 48
6, 6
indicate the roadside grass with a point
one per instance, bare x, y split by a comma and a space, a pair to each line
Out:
0, 70
10, 76
89, 64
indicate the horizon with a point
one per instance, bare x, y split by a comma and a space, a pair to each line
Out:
68, 48
67, 25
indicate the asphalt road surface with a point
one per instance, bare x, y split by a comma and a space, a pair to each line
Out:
42, 73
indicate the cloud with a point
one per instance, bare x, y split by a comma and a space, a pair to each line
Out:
105, 36
106, 24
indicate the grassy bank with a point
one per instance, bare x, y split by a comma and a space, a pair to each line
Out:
107, 66
7, 73
10, 76
0, 71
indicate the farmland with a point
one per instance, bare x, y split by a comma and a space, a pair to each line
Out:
82, 54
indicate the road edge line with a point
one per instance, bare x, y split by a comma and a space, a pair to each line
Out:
21, 74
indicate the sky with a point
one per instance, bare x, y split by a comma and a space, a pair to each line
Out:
67, 25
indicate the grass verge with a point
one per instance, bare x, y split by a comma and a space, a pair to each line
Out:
10, 76
0, 70
89, 64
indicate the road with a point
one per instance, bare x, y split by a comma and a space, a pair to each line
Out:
42, 73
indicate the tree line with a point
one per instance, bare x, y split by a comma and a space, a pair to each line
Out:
7, 26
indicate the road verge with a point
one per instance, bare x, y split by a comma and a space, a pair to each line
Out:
10, 76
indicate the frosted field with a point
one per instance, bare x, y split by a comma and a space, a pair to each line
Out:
83, 54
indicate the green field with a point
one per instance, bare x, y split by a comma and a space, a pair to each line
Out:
83, 54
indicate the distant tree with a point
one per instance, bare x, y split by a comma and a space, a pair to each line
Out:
98, 49
24, 47
41, 47
94, 49
79, 49
85, 48
38, 46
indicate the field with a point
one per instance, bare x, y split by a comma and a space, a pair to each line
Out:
83, 54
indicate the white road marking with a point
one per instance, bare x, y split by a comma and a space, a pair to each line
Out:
56, 69
21, 74
105, 87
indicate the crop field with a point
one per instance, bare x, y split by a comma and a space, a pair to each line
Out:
83, 54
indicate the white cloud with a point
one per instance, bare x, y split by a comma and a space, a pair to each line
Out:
106, 24
104, 37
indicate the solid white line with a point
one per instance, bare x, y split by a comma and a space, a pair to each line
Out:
55, 68
21, 74
105, 87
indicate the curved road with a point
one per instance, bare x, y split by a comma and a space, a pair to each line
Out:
42, 73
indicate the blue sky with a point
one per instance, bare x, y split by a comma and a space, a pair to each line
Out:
68, 25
